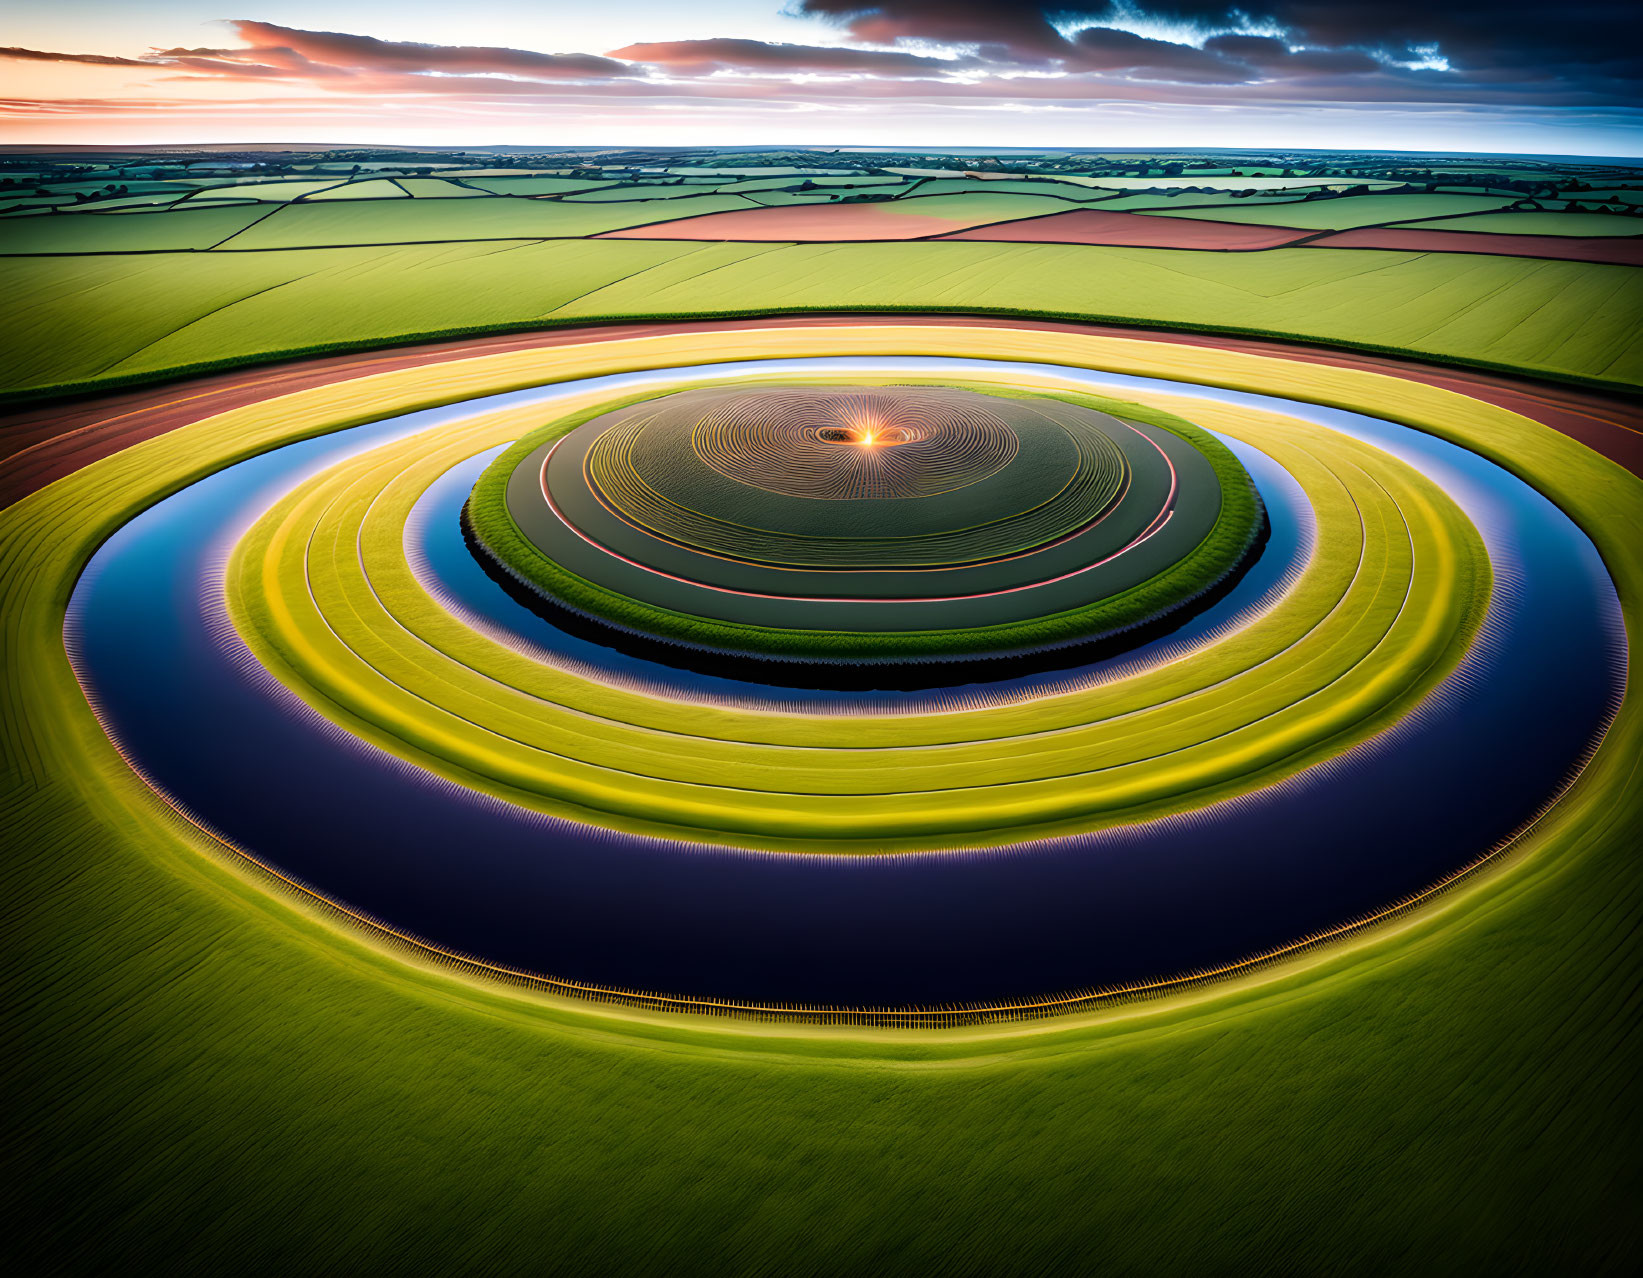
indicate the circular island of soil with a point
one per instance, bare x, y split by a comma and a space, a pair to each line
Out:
865, 523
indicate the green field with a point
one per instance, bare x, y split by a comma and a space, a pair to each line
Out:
1532, 223
1229, 183
660, 191
1003, 186
1342, 212
438, 189
190, 1034
1167, 200
773, 198
374, 189
532, 186
408, 221
159, 232
154, 314
863, 182
280, 192
1508, 314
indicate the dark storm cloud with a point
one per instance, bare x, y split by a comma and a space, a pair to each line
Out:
1106, 49
1021, 29
1594, 44
1271, 55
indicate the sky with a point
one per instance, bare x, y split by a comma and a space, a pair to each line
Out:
1418, 75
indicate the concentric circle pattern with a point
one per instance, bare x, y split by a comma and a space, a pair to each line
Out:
866, 494
867, 522
1335, 688
848, 444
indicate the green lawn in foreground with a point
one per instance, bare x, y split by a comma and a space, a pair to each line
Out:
70, 321
213, 1080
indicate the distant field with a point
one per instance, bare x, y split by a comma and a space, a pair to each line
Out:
1342, 211
380, 252
192, 228
417, 221
1167, 200
975, 186
864, 181
278, 192
536, 185
783, 198
1097, 226
981, 206
903, 220
1625, 195
1229, 183
375, 189
1532, 223
642, 191
1429, 238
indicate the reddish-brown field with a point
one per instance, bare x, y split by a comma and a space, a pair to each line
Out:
1613, 250
1135, 230
796, 223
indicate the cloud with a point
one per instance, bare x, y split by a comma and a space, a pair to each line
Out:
94, 59
1585, 39
366, 53
272, 52
1107, 49
985, 54
1273, 56
698, 56
1020, 29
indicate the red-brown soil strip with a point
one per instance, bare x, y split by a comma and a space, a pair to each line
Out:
1616, 250
43, 442
1135, 230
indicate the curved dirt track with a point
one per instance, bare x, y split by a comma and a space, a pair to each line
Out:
40, 443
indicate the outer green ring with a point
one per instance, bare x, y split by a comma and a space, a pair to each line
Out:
498, 536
